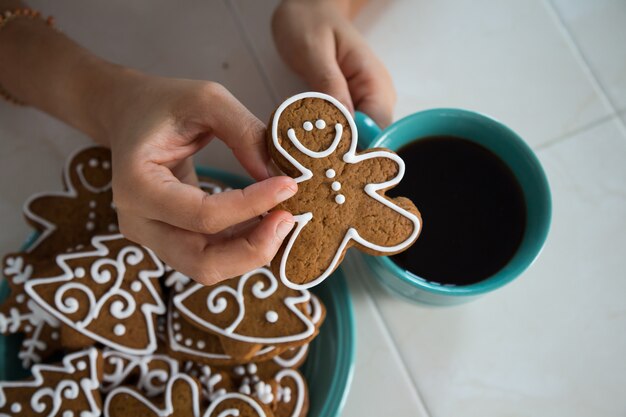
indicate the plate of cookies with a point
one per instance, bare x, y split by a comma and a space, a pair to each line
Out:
93, 324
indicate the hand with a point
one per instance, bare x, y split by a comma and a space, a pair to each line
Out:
155, 126
318, 42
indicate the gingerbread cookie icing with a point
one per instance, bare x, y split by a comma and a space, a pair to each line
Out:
70, 388
256, 293
341, 198
104, 293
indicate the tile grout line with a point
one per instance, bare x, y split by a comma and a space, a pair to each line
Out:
251, 49
356, 265
562, 138
580, 57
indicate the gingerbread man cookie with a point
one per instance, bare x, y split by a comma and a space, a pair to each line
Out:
341, 199
66, 220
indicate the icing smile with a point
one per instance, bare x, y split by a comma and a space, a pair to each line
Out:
320, 124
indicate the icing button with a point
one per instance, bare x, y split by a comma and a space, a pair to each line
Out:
340, 199
336, 186
330, 173
119, 330
271, 316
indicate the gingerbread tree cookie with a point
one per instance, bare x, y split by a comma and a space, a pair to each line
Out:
70, 388
104, 293
65, 222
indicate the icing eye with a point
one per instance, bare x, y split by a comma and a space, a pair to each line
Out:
308, 126
320, 124
93, 162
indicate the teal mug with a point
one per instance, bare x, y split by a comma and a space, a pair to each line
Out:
502, 141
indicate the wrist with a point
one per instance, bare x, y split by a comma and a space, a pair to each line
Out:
102, 96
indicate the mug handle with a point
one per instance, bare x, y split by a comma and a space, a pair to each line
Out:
367, 128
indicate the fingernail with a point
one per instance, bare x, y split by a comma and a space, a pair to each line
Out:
285, 193
283, 229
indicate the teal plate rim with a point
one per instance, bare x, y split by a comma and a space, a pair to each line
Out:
337, 339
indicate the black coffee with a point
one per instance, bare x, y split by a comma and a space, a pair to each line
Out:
472, 208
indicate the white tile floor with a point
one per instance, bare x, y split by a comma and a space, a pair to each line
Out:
553, 342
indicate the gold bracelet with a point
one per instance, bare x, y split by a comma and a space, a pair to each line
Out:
14, 14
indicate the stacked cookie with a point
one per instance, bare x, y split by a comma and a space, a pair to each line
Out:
110, 330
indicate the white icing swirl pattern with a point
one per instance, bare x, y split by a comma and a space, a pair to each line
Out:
111, 273
152, 379
81, 380
217, 302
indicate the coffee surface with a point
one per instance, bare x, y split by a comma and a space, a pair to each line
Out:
472, 208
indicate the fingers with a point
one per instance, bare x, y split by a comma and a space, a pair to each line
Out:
191, 254
323, 74
187, 207
242, 132
371, 86
378, 107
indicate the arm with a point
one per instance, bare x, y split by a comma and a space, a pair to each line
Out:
154, 125
318, 41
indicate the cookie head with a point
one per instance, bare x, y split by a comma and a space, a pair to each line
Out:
90, 170
309, 126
